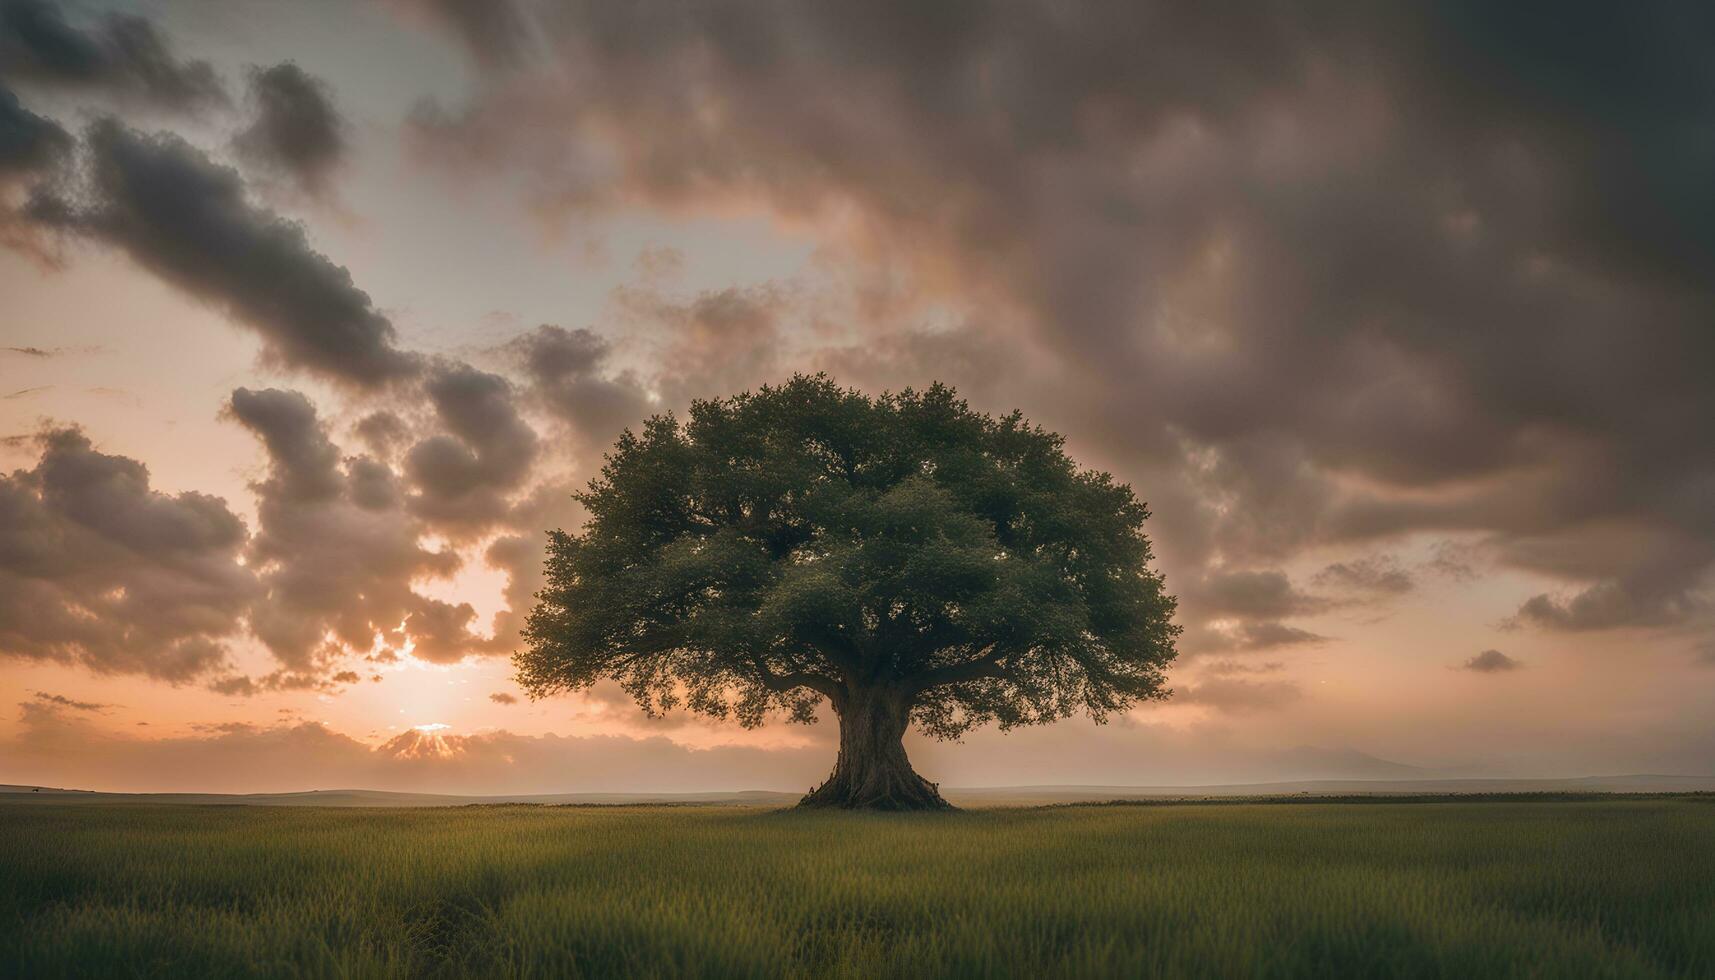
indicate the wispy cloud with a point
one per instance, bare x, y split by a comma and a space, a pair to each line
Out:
65, 702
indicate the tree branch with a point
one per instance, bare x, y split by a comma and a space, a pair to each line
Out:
985, 665
791, 681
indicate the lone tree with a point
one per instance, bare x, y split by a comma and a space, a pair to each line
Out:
903, 557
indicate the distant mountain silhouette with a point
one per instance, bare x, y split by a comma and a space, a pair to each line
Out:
1318, 762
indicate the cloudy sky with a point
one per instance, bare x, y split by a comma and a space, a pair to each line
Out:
312, 314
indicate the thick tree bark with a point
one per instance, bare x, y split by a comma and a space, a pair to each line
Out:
872, 772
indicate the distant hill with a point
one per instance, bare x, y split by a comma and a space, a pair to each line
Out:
1318, 762
1639, 783
970, 796
372, 797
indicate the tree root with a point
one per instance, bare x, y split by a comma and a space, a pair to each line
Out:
887, 790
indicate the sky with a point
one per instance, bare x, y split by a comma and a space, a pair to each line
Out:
314, 315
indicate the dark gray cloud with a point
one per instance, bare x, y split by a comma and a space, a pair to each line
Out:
30, 145
337, 550
570, 377
34, 151
1631, 601
1491, 662
189, 220
297, 134
464, 475
1373, 576
501, 697
1264, 594
1255, 635
235, 684
99, 569
1329, 275
1231, 610
118, 54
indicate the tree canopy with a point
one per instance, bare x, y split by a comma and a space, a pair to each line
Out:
806, 541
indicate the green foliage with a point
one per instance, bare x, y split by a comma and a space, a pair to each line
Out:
805, 541
1613, 888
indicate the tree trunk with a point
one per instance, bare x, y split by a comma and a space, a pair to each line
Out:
872, 772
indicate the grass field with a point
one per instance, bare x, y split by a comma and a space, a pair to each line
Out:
1456, 889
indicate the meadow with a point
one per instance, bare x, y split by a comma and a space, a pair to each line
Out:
1606, 887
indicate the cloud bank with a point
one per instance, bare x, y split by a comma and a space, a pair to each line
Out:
1310, 277
191, 221
99, 569
118, 54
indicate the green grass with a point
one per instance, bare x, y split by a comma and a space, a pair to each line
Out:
1455, 889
